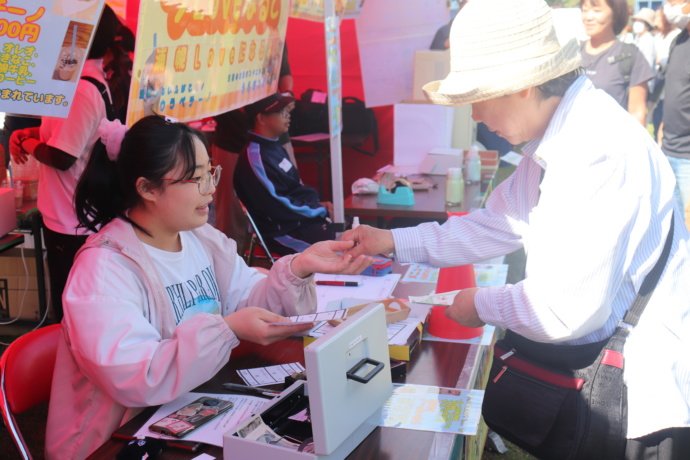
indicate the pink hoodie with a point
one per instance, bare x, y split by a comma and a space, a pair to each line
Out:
122, 353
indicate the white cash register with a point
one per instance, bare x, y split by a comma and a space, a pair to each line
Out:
327, 416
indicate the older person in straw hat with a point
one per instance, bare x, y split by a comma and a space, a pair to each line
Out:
591, 203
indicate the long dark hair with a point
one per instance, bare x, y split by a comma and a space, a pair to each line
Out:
151, 149
106, 38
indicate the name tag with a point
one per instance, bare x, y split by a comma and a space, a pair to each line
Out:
285, 165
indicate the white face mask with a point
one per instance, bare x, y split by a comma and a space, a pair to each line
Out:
674, 15
638, 28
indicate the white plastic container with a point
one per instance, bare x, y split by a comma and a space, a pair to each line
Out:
455, 187
473, 165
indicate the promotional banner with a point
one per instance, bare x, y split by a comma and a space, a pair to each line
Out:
43, 45
198, 58
313, 10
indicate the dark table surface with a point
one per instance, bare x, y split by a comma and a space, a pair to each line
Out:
429, 204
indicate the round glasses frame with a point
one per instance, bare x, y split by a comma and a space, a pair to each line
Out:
203, 182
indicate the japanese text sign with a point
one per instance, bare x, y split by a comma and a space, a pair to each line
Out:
43, 45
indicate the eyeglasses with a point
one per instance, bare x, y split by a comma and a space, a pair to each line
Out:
284, 113
203, 182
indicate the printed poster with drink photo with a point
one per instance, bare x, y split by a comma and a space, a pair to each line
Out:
195, 59
43, 45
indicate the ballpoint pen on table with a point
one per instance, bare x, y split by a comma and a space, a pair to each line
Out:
338, 283
250, 390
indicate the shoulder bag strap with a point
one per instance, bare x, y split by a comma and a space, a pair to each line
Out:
109, 111
632, 316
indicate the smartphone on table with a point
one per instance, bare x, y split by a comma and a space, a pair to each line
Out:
185, 420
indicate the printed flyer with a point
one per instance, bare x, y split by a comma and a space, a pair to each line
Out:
43, 45
430, 408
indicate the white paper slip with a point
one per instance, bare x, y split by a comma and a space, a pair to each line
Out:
312, 318
371, 287
484, 339
513, 158
212, 432
444, 299
269, 375
398, 333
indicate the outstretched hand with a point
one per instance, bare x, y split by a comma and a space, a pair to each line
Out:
369, 240
253, 324
329, 257
18, 154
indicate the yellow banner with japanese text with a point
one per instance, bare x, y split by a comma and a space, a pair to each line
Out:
198, 58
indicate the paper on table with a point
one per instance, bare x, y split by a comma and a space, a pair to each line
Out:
421, 273
269, 375
513, 158
429, 408
490, 274
398, 333
484, 339
444, 299
212, 432
370, 287
312, 318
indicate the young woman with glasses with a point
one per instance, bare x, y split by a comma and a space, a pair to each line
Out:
157, 299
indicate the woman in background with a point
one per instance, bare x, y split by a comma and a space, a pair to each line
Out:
617, 68
62, 146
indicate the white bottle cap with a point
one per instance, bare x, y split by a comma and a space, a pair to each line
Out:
454, 172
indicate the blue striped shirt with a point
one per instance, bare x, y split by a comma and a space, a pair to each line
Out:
592, 230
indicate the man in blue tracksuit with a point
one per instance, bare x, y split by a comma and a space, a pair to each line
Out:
287, 212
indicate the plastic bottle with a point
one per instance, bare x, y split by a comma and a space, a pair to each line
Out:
455, 187
473, 165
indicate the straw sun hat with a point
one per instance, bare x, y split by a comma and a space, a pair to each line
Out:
500, 47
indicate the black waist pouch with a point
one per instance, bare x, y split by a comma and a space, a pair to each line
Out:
558, 402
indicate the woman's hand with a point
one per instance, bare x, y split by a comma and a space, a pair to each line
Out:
329, 257
18, 154
253, 324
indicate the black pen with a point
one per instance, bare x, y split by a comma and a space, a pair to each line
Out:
251, 390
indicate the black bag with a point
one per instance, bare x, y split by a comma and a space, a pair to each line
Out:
308, 117
565, 402
359, 123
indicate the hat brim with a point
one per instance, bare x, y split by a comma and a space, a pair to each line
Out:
468, 87
279, 105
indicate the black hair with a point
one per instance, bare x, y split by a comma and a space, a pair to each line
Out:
559, 85
107, 30
620, 13
151, 149
107, 37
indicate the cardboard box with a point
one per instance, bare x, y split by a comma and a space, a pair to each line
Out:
429, 65
399, 352
16, 285
8, 214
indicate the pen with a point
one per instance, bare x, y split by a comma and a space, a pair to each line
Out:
338, 283
251, 390
192, 446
